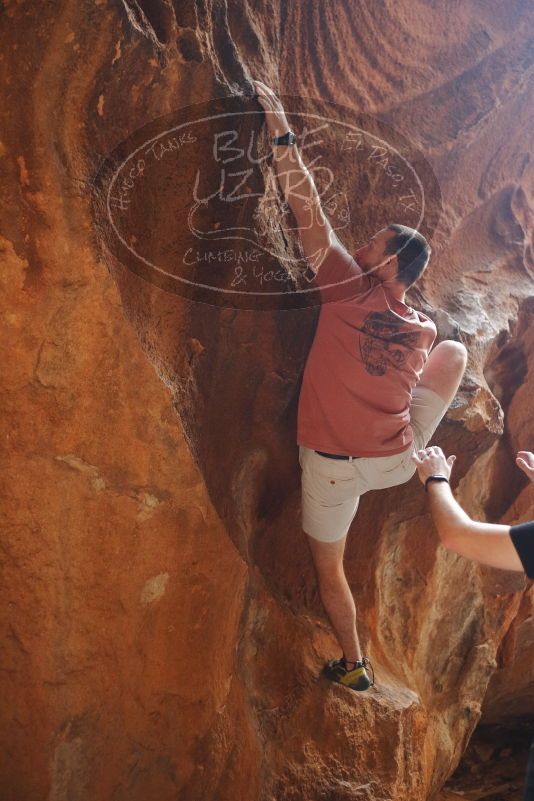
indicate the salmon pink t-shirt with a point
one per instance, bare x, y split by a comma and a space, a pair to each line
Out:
367, 355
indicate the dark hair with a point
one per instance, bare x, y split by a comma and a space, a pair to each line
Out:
412, 251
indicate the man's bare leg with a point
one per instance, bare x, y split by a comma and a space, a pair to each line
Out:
336, 594
444, 369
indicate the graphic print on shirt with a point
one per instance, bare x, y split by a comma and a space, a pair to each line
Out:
380, 337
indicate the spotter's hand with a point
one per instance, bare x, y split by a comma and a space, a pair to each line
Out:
432, 462
525, 460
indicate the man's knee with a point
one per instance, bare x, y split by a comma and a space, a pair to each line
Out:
455, 353
330, 575
448, 359
331, 579
328, 561
444, 369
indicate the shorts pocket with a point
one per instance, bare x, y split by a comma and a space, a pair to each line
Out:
396, 464
385, 472
387, 465
329, 490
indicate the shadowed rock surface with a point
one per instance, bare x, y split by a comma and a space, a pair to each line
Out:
494, 765
162, 631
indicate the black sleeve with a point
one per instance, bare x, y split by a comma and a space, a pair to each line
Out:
529, 782
522, 537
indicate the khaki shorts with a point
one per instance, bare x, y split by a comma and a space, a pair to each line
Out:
331, 488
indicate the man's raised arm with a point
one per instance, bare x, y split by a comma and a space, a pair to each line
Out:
315, 230
316, 233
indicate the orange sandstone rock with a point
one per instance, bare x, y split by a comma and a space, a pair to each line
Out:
162, 632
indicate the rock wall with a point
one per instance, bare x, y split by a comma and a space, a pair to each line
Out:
163, 634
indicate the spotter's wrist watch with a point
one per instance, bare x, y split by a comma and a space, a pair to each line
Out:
435, 478
288, 138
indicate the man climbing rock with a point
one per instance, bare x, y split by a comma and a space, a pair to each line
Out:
371, 394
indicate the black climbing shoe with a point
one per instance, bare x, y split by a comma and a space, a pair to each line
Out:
356, 678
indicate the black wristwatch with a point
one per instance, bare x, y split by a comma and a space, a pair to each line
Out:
288, 138
435, 478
